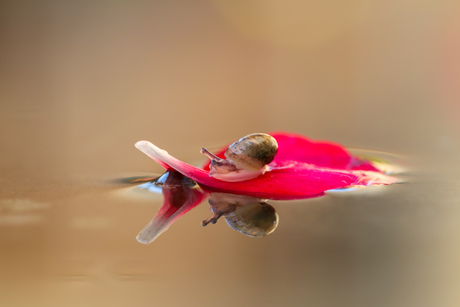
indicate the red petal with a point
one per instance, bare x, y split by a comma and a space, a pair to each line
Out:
294, 147
179, 198
307, 172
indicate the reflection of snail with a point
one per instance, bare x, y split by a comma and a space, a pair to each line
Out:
248, 215
247, 158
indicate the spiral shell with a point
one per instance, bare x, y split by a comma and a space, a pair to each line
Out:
253, 151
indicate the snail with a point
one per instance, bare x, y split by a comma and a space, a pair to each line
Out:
249, 215
247, 158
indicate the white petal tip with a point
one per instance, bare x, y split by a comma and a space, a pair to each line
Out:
142, 241
141, 144
146, 238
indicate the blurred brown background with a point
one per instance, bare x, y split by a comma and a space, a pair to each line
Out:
82, 81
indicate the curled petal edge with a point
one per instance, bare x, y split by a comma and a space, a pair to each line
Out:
288, 180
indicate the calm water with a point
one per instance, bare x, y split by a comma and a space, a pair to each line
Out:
81, 83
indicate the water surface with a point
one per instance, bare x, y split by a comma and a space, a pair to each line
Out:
81, 83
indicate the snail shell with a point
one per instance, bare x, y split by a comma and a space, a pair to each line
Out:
249, 215
253, 151
247, 158
254, 220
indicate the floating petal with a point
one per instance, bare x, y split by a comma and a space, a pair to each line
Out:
301, 169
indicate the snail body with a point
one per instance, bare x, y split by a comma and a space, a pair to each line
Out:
247, 158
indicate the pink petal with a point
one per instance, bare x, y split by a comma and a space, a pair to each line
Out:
294, 147
179, 198
297, 179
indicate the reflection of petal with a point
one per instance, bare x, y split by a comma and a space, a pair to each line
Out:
179, 197
301, 169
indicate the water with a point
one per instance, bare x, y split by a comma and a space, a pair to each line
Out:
82, 82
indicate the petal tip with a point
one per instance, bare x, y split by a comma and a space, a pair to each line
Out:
141, 144
142, 241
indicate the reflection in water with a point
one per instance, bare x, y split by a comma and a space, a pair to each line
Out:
251, 216
248, 215
180, 195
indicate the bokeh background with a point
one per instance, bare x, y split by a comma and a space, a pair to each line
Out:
82, 81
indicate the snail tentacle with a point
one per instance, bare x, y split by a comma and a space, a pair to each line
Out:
247, 158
